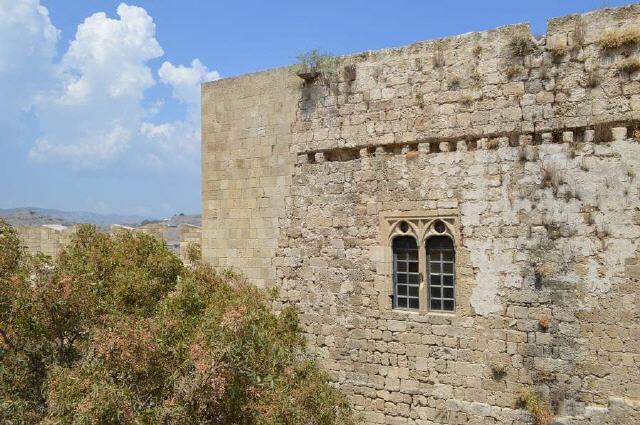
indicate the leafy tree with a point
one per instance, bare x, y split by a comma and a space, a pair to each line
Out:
116, 330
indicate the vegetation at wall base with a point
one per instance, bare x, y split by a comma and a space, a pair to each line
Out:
116, 330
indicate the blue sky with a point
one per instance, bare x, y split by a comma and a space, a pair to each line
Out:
100, 109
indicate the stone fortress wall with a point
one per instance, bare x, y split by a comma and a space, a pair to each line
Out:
50, 239
247, 168
527, 148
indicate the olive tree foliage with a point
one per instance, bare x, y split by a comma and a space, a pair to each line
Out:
117, 331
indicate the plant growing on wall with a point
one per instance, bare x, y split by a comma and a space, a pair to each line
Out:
530, 400
513, 71
557, 52
314, 64
627, 37
520, 45
629, 65
438, 56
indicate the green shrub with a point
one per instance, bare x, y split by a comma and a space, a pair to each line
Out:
194, 252
116, 331
10, 249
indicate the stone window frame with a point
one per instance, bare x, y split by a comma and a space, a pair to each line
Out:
421, 228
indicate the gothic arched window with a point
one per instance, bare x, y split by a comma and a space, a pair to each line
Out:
406, 275
423, 270
441, 273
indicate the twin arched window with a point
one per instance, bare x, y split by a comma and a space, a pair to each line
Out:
410, 290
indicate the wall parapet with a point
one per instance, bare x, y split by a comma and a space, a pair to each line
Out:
489, 83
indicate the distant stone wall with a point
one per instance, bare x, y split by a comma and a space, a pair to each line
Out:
156, 230
51, 239
189, 235
46, 239
528, 150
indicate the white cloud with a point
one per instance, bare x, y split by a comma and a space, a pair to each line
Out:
91, 151
176, 139
181, 138
109, 55
27, 48
185, 81
92, 107
93, 113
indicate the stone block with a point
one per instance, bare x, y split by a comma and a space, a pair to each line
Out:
589, 135
567, 136
619, 133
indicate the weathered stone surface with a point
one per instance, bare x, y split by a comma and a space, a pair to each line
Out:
47, 239
302, 182
247, 169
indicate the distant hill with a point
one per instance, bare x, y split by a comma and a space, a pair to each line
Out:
29, 216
